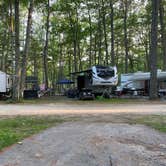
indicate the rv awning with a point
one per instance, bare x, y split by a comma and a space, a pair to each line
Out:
65, 81
81, 72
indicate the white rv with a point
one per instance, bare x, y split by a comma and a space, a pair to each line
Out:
140, 81
99, 80
104, 76
5, 83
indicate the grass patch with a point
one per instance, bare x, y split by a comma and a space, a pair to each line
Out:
13, 130
114, 100
63, 99
157, 122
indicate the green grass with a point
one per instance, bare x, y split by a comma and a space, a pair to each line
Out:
13, 130
157, 122
63, 99
114, 100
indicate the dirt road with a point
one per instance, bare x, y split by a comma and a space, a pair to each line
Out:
90, 144
83, 108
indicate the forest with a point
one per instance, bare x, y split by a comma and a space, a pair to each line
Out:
51, 38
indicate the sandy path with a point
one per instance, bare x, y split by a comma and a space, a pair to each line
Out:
90, 144
69, 108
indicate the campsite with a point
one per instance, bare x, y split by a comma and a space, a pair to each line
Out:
82, 83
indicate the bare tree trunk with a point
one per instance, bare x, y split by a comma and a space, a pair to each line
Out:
105, 32
11, 31
163, 32
69, 62
90, 33
99, 38
126, 35
153, 50
61, 70
4, 43
77, 39
35, 72
45, 51
26, 48
16, 86
112, 34
79, 56
95, 49
147, 68
73, 28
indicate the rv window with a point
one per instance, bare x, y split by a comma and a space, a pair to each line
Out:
104, 73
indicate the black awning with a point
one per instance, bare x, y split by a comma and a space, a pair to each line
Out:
65, 81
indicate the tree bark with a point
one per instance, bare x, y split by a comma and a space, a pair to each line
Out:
73, 29
16, 86
153, 51
45, 51
163, 32
90, 32
112, 34
105, 32
11, 31
26, 47
77, 38
126, 35
99, 38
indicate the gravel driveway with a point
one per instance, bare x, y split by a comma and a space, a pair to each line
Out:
90, 144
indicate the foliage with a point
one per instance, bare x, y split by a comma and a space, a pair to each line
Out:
77, 36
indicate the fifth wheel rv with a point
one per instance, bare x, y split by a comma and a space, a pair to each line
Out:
98, 80
139, 83
5, 84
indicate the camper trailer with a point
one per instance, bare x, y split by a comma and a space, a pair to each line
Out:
5, 84
139, 82
98, 80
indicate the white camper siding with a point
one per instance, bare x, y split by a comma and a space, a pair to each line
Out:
3, 82
125, 79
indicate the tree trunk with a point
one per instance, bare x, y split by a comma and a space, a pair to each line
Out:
11, 31
45, 51
73, 29
35, 72
77, 39
153, 50
126, 35
4, 37
147, 68
99, 39
105, 32
90, 33
112, 34
26, 47
16, 86
163, 33
95, 50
